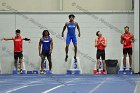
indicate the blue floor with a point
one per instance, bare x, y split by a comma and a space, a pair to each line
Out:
68, 83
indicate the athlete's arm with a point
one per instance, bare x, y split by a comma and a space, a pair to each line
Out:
39, 48
133, 39
121, 41
26, 39
79, 34
64, 28
7, 39
51, 46
104, 44
96, 43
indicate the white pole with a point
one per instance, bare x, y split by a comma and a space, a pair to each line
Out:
136, 35
61, 5
0, 69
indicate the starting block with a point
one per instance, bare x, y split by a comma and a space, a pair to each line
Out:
23, 72
99, 73
100, 67
126, 72
48, 72
73, 71
17, 72
35, 71
75, 67
29, 72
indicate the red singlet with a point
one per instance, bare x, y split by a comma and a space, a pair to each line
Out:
100, 46
127, 39
17, 44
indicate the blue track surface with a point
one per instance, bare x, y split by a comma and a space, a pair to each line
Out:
68, 83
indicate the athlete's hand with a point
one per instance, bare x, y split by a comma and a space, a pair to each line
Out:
124, 43
40, 55
79, 34
29, 41
62, 34
2, 39
50, 51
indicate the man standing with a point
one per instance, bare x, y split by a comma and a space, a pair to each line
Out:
71, 25
127, 39
46, 43
17, 48
100, 43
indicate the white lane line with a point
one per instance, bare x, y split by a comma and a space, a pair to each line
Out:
97, 86
137, 88
21, 87
2, 81
49, 90
15, 89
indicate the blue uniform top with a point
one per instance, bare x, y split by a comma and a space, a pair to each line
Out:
46, 44
71, 28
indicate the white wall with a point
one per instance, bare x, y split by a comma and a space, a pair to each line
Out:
136, 34
66, 5
98, 5
32, 25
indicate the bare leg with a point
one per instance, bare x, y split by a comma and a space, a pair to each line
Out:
104, 65
21, 64
97, 64
75, 51
124, 61
130, 61
15, 64
66, 50
50, 62
42, 63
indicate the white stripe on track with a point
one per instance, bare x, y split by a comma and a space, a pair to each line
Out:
21, 87
137, 88
49, 90
97, 86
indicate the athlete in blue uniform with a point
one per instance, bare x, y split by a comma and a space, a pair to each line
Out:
47, 45
71, 26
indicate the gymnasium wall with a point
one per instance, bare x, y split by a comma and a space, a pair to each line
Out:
111, 25
66, 5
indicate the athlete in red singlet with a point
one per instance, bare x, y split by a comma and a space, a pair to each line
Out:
100, 43
17, 48
127, 39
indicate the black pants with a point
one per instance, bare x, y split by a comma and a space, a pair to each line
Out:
100, 53
48, 55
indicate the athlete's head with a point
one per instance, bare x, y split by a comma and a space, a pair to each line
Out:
71, 17
17, 32
98, 33
45, 33
126, 28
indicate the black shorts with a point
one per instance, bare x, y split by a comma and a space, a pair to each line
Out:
18, 55
127, 50
46, 54
100, 53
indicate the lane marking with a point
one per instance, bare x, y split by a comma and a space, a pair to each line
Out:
15, 89
21, 87
137, 88
49, 90
97, 86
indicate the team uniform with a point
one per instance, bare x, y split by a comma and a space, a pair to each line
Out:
71, 33
127, 47
100, 49
18, 47
46, 46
